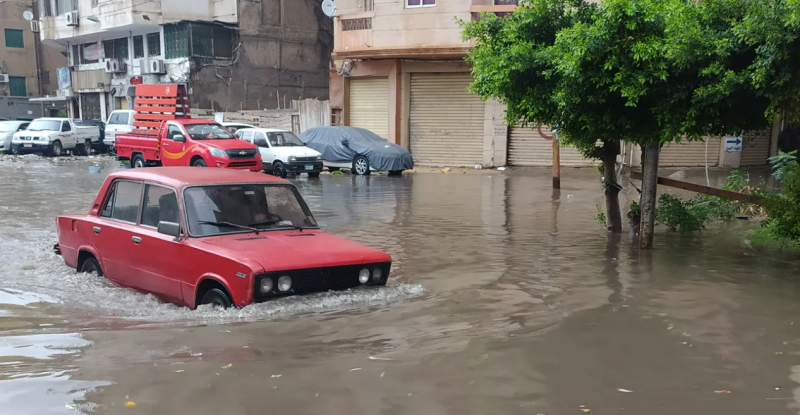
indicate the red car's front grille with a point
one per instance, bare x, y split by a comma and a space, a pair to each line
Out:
314, 280
235, 164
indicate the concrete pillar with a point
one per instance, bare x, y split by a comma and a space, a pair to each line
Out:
103, 112
729, 159
495, 134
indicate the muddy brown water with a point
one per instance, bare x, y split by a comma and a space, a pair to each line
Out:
505, 298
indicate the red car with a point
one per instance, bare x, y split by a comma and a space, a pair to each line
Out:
212, 236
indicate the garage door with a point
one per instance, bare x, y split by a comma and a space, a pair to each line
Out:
533, 146
755, 147
445, 121
688, 154
369, 104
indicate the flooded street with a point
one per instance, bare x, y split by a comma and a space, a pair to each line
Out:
504, 298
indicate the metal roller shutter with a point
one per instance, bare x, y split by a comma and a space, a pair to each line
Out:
446, 121
755, 147
688, 154
369, 104
528, 146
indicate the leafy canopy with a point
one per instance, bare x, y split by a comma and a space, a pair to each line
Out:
642, 71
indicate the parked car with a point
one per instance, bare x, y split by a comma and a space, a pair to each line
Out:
212, 236
98, 145
7, 130
233, 127
282, 152
357, 149
119, 122
52, 136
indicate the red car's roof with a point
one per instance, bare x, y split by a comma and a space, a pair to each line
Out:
189, 176
189, 121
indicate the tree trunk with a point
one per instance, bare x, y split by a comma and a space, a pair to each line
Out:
647, 205
613, 213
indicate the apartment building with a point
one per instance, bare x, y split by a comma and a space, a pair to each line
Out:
399, 70
231, 55
26, 68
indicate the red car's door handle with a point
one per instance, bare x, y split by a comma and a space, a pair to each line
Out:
96, 229
136, 240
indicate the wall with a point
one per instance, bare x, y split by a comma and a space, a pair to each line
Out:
393, 25
13, 108
17, 61
284, 55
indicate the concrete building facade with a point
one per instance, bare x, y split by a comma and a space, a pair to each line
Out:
27, 69
231, 54
399, 71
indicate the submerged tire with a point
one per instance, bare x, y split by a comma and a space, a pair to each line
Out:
138, 162
199, 163
216, 298
91, 266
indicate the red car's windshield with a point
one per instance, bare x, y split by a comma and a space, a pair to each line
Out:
223, 209
208, 132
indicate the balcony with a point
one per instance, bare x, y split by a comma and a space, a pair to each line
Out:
353, 32
108, 17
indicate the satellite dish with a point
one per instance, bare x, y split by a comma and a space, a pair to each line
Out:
28, 15
329, 8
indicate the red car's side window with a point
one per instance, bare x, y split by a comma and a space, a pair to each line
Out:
107, 208
160, 205
123, 201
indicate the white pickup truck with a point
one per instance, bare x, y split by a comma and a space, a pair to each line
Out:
119, 122
52, 136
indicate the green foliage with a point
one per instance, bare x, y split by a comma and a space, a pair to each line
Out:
765, 237
337, 173
633, 211
781, 163
632, 70
783, 207
683, 216
600, 217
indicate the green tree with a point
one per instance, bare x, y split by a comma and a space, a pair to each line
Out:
643, 71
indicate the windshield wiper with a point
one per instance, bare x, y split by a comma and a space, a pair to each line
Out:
230, 225
275, 222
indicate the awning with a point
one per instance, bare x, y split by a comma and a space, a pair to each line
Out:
50, 99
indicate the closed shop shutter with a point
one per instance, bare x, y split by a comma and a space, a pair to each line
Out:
528, 147
369, 104
90, 107
755, 147
689, 154
445, 121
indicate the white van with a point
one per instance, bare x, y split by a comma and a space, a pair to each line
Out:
119, 121
282, 152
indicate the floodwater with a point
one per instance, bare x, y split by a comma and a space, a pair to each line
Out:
505, 298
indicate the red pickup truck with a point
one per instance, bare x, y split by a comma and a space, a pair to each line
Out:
211, 236
165, 135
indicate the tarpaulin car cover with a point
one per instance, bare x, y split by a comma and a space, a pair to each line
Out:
343, 144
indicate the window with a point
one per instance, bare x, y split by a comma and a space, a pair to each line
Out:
154, 44
118, 118
138, 47
173, 131
160, 205
86, 53
286, 139
239, 208
18, 86
176, 40
48, 8
125, 201
116, 48
506, 2
369, 5
65, 127
420, 3
211, 41
109, 206
247, 135
260, 140
65, 6
14, 38
208, 132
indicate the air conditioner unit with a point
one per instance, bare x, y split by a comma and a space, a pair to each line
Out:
73, 19
3, 78
157, 66
36, 26
66, 93
115, 66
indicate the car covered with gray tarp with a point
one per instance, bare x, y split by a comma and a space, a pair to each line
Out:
357, 149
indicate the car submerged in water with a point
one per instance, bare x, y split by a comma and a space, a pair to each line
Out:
212, 236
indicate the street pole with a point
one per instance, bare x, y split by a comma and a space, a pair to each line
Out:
556, 161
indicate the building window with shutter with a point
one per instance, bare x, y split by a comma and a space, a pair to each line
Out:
14, 38
17, 86
176, 40
138, 47
154, 44
116, 48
